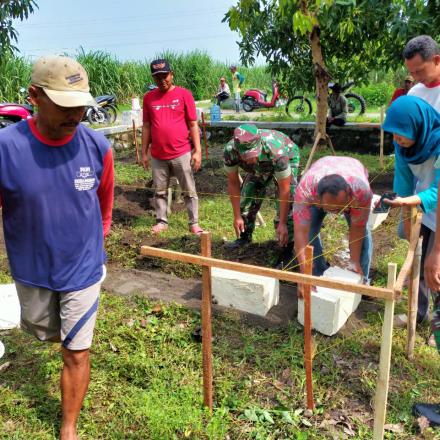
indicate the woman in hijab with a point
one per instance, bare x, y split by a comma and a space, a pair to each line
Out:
415, 126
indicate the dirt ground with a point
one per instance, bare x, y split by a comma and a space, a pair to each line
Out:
151, 279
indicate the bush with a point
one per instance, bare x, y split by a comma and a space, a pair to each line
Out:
376, 94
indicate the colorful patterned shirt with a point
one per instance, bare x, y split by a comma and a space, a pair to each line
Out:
279, 156
352, 171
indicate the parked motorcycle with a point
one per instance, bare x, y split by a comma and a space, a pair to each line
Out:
96, 115
300, 105
11, 113
108, 102
255, 98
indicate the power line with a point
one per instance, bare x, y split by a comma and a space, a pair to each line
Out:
119, 20
126, 44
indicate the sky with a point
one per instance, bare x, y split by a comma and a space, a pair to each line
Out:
130, 29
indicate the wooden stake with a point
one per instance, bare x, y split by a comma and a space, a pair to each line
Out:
380, 400
308, 329
260, 219
411, 316
381, 138
413, 303
405, 270
206, 323
312, 152
135, 141
204, 135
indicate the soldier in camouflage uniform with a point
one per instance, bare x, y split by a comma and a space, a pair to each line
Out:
264, 155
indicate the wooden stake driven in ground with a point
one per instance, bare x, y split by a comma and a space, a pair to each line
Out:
206, 323
413, 300
308, 347
380, 400
413, 294
204, 135
135, 142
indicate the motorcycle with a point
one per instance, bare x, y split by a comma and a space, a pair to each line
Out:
108, 102
105, 112
11, 113
255, 98
300, 105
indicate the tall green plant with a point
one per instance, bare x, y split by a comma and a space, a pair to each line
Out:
195, 70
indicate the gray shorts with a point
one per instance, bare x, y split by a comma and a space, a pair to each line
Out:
60, 317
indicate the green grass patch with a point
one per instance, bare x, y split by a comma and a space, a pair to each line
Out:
147, 380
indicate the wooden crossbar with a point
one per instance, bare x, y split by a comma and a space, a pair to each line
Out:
376, 292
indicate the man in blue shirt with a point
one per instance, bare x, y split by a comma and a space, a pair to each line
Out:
56, 190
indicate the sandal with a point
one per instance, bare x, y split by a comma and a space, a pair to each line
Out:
159, 228
195, 229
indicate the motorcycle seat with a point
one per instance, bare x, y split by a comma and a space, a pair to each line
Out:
263, 92
28, 107
102, 98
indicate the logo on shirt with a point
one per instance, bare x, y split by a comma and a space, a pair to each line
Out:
174, 104
85, 179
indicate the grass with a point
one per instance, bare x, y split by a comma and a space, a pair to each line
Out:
146, 368
146, 380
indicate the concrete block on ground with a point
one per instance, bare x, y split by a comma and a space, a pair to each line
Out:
247, 292
9, 307
375, 219
330, 308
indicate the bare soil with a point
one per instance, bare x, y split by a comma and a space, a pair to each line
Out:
156, 278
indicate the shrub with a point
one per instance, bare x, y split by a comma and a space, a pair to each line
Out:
376, 94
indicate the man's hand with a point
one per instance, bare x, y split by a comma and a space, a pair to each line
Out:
238, 225
145, 161
432, 270
282, 234
196, 159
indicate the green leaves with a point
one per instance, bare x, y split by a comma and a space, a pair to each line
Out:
355, 37
303, 24
9, 11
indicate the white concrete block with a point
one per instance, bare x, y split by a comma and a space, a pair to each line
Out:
250, 293
330, 308
9, 307
374, 220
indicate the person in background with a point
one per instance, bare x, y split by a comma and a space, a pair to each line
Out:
169, 112
422, 59
338, 107
402, 91
265, 155
237, 81
223, 91
415, 126
56, 190
337, 185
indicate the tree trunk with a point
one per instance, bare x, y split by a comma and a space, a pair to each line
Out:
322, 77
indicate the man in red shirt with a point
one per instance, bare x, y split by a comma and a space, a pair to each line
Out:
169, 113
402, 91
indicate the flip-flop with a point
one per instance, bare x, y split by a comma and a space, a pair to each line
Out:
195, 229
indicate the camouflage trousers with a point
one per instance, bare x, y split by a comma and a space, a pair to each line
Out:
253, 193
435, 323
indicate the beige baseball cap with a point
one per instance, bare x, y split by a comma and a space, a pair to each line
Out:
64, 80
